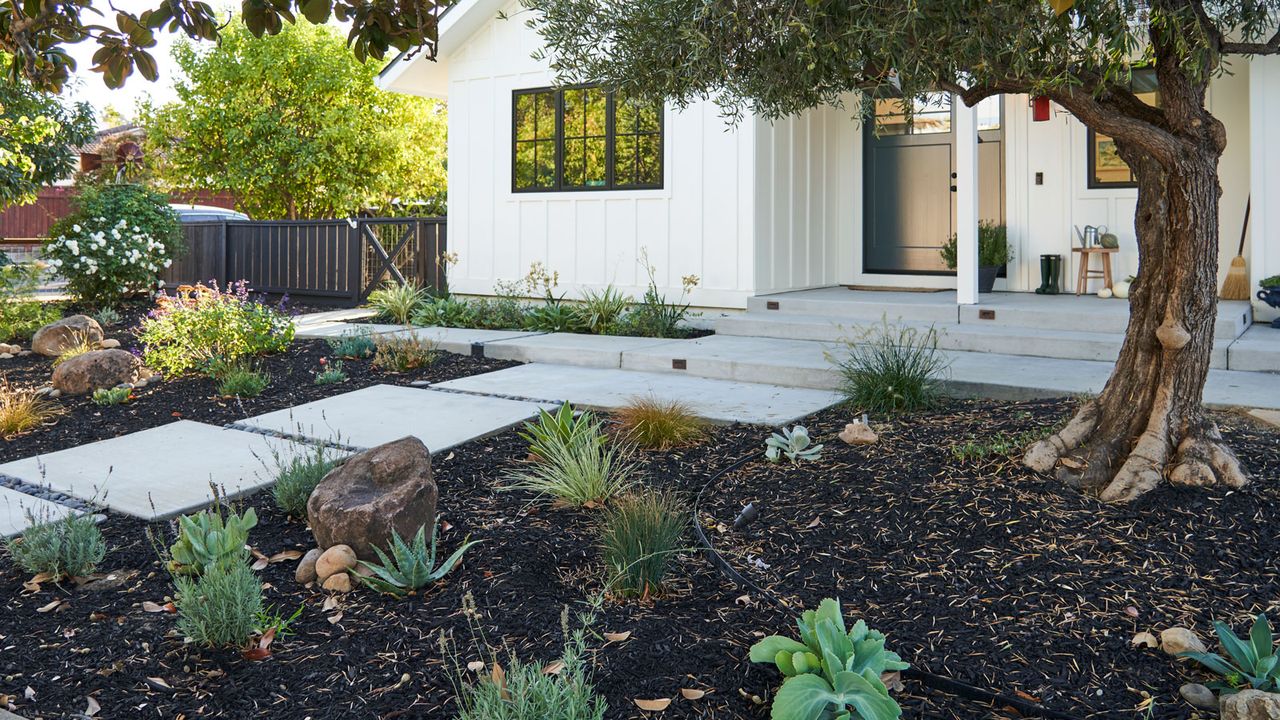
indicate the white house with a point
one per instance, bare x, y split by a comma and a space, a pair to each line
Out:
572, 179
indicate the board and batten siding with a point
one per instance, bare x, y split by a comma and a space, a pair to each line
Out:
699, 223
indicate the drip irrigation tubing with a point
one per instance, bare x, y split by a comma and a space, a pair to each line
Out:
924, 677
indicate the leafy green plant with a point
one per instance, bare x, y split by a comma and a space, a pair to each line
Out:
402, 352
998, 444
397, 301
69, 546
198, 325
22, 410
658, 424
793, 443
504, 311
554, 315
269, 619
353, 346
577, 468
563, 427
330, 373
638, 536
107, 316
448, 311
1269, 282
993, 246
239, 379
601, 310
221, 607
298, 474
525, 690
112, 396
116, 242
21, 311
211, 539
830, 672
887, 369
410, 567
653, 315
1252, 662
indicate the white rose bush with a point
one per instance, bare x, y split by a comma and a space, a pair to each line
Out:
116, 245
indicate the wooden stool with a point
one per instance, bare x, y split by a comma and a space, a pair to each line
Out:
1085, 274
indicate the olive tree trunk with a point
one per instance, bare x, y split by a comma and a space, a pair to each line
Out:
1148, 424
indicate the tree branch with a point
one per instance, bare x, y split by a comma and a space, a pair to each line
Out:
1270, 47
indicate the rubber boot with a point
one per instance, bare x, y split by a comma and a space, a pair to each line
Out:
1055, 272
1044, 275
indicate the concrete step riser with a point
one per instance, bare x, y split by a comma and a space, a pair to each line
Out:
1045, 346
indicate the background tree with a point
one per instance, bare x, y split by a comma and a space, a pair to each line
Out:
294, 126
779, 57
38, 135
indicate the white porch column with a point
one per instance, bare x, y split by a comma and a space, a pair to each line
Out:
966, 183
1264, 181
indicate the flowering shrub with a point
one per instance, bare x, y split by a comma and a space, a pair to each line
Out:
115, 244
199, 325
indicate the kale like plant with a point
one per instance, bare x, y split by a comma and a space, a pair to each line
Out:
410, 567
794, 443
209, 539
1252, 662
830, 673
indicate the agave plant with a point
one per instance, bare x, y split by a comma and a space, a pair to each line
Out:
410, 567
794, 443
209, 539
1253, 661
831, 673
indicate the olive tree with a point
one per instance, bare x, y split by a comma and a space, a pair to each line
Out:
779, 57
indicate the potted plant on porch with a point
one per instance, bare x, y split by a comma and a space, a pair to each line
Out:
993, 253
1270, 294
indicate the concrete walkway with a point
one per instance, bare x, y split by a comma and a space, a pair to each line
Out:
17, 510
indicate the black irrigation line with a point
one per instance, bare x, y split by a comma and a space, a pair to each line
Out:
937, 682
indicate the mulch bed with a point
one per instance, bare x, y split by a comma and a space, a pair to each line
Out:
195, 397
977, 570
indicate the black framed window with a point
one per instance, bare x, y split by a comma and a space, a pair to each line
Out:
1105, 166
584, 138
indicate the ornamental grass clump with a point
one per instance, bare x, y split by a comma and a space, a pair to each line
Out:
639, 535
402, 352
889, 369
601, 310
239, 379
577, 466
658, 424
397, 301
70, 546
199, 325
22, 410
79, 345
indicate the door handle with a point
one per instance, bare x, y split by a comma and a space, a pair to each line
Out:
953, 188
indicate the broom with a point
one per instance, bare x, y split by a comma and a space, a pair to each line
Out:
1236, 286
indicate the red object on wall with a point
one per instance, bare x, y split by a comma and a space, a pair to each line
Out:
1040, 109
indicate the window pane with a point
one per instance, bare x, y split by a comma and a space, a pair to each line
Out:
624, 160
586, 114
545, 163
574, 163
1108, 167
650, 151
635, 117
546, 115
596, 172
932, 114
989, 113
524, 165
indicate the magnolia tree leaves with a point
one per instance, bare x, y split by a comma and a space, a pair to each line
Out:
33, 32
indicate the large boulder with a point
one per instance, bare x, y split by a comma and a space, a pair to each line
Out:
57, 337
94, 370
1251, 705
386, 488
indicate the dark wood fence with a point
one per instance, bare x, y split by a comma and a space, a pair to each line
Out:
339, 261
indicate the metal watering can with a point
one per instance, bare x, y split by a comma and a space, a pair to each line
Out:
1091, 236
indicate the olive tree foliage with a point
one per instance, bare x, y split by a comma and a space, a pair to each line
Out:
294, 126
34, 32
38, 135
775, 58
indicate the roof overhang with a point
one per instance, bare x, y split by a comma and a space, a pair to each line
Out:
412, 73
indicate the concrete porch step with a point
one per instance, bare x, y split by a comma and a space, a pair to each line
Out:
966, 337
1085, 313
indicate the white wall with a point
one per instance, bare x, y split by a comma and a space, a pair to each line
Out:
1264, 253
808, 199
700, 223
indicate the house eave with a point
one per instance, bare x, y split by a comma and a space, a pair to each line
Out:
413, 73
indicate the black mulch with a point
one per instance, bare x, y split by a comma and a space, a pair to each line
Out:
195, 397
980, 571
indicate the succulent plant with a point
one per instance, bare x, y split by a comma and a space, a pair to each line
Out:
794, 443
831, 672
410, 567
209, 539
1253, 661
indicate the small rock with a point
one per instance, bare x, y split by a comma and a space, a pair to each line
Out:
109, 343
857, 433
125, 386
306, 572
44, 391
1177, 640
25, 353
338, 582
54, 393
1251, 705
337, 559
5, 355
1199, 696
420, 383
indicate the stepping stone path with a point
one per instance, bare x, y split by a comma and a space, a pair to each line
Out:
17, 509
379, 414
721, 400
160, 472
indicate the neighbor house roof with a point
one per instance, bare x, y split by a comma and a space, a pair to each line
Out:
413, 73
95, 145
